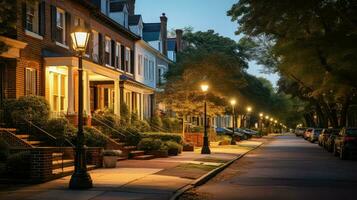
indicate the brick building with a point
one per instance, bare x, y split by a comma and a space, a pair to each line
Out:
41, 60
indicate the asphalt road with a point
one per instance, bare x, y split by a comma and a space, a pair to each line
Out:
285, 168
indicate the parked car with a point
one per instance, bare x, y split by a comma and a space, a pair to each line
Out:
307, 133
330, 142
300, 132
314, 135
229, 131
325, 134
346, 143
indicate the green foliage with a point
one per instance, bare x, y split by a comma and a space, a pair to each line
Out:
163, 136
60, 128
172, 125
313, 53
156, 122
4, 150
173, 147
94, 138
31, 108
150, 144
124, 113
7, 21
19, 165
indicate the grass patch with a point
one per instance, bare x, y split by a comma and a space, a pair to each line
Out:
212, 159
189, 166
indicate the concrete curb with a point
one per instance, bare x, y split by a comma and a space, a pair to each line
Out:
206, 177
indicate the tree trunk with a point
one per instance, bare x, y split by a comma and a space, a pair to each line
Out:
344, 112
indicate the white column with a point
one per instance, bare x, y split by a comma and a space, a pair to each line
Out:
86, 93
70, 91
116, 98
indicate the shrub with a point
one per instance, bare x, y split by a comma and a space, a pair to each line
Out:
150, 144
141, 125
172, 125
173, 147
60, 128
112, 153
94, 138
163, 136
124, 114
31, 108
156, 122
4, 150
19, 165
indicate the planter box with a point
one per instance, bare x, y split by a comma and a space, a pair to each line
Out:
110, 161
188, 148
173, 152
159, 154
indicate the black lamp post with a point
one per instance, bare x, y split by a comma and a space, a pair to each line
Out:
233, 103
80, 178
205, 148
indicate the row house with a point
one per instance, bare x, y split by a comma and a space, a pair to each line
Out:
45, 63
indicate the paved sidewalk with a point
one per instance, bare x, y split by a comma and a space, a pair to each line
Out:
137, 179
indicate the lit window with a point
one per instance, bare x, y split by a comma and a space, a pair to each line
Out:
127, 60
32, 17
108, 51
117, 55
60, 26
30, 80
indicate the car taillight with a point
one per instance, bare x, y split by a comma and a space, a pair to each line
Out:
348, 139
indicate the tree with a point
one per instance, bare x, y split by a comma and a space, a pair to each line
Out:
309, 43
7, 21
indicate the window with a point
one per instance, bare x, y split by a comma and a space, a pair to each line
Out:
151, 70
58, 92
32, 17
140, 64
30, 81
117, 55
95, 55
107, 51
127, 60
60, 26
146, 67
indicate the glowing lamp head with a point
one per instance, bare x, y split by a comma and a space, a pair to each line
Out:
80, 38
233, 102
249, 109
266, 117
261, 114
271, 119
204, 87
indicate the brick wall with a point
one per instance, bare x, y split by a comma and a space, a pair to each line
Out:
31, 56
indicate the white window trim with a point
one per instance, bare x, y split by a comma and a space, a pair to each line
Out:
59, 10
108, 39
33, 34
62, 45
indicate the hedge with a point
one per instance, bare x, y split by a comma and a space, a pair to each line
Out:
163, 136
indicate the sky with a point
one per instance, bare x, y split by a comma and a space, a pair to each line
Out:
202, 15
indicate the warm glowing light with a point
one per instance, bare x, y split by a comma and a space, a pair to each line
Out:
233, 102
249, 109
80, 39
271, 119
267, 117
204, 87
261, 114
276, 121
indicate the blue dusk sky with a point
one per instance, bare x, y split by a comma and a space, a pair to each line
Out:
199, 14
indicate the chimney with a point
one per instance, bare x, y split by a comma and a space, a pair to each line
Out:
163, 20
131, 6
179, 45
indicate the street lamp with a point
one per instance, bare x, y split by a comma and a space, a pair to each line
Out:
249, 110
80, 178
233, 103
205, 148
261, 115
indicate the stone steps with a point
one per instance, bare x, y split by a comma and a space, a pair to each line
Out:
62, 163
133, 154
68, 170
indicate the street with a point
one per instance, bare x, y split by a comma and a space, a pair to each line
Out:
287, 167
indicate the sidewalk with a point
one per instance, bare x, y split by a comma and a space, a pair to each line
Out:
137, 179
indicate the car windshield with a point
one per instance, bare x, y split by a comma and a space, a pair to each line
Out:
317, 130
351, 132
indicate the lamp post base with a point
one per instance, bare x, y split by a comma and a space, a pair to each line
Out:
80, 181
205, 149
233, 141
